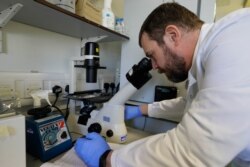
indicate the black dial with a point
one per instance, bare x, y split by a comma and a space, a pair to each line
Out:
95, 127
109, 133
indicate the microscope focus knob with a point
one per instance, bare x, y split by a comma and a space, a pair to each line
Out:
95, 127
109, 133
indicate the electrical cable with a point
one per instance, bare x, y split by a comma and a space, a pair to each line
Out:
76, 134
67, 111
55, 100
57, 90
58, 109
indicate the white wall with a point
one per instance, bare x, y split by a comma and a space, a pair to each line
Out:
224, 7
29, 48
35, 59
33, 49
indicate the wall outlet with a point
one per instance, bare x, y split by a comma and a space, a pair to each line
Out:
49, 84
7, 90
20, 87
31, 85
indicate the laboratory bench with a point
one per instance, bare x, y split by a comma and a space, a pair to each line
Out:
133, 135
31, 161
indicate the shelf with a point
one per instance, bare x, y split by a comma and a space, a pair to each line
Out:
39, 13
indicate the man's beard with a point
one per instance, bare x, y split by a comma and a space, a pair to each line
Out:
175, 67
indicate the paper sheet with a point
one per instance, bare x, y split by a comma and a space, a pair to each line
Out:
70, 159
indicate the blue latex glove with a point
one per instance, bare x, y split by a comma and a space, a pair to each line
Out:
132, 112
91, 148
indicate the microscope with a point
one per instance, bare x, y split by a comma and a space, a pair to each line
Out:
109, 120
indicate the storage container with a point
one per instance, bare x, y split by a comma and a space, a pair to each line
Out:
87, 9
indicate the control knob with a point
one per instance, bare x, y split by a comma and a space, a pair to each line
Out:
95, 127
109, 133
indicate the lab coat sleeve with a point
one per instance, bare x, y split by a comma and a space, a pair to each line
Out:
208, 135
168, 109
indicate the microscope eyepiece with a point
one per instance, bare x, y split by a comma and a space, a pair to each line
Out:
139, 74
145, 65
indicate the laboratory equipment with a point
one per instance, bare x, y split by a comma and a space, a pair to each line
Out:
91, 62
165, 92
109, 120
47, 133
38, 95
47, 137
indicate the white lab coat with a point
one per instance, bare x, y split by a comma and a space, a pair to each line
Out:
215, 116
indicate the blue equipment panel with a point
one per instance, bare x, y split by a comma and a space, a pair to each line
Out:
47, 137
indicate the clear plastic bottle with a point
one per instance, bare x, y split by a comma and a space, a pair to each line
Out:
119, 25
108, 18
122, 26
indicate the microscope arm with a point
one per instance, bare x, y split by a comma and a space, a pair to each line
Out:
137, 76
123, 94
109, 120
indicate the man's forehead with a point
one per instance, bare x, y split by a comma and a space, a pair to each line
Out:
145, 40
147, 43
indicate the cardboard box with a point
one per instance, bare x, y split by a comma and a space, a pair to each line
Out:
87, 9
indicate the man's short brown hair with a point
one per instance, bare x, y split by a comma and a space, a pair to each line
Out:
168, 14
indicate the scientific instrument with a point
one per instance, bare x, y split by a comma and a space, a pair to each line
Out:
47, 133
109, 120
91, 61
38, 95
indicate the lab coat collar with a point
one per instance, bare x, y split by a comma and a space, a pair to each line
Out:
192, 72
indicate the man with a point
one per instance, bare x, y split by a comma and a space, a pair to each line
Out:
214, 117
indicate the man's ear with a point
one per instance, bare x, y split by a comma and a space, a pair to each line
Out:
172, 35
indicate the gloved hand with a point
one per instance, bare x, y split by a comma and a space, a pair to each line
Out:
132, 112
91, 148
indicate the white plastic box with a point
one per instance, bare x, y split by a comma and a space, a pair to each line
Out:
12, 141
68, 5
